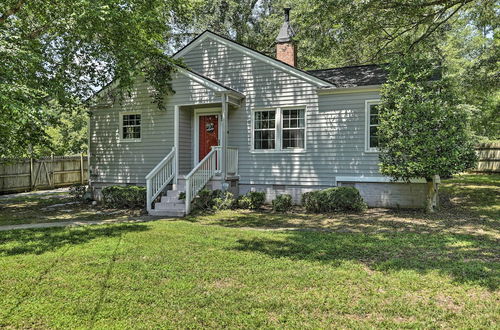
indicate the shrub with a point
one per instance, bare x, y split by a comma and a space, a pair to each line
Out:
216, 200
243, 202
282, 203
78, 192
252, 200
124, 197
222, 200
333, 199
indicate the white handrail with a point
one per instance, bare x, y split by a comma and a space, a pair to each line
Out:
159, 178
200, 175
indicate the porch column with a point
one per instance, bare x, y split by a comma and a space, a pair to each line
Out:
223, 139
176, 142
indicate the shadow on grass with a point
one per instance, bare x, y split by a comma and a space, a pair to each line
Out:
464, 258
16, 242
372, 221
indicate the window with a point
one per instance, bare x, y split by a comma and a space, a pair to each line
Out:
265, 129
130, 127
372, 122
293, 128
280, 129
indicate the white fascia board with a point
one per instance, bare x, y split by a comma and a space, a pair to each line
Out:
378, 179
288, 69
348, 90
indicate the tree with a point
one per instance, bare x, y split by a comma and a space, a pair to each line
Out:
56, 53
424, 130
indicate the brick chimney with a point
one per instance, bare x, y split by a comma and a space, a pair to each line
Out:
286, 47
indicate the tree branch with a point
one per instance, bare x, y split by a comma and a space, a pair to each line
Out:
431, 29
11, 11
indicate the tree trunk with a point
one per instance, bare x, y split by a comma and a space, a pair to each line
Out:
431, 198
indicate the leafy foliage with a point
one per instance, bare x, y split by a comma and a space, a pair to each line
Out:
124, 196
340, 32
333, 200
55, 54
424, 131
213, 200
252, 200
282, 203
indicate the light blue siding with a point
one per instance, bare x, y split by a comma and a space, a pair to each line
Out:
115, 161
335, 123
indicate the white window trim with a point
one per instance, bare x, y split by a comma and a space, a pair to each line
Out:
120, 118
278, 130
367, 125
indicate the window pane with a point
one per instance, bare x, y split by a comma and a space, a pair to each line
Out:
373, 137
131, 126
293, 138
373, 128
264, 119
264, 139
293, 118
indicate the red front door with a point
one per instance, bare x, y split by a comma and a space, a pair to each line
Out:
208, 133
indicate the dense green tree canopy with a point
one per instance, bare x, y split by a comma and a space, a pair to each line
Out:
54, 54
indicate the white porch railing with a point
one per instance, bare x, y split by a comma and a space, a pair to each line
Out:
159, 178
200, 175
232, 159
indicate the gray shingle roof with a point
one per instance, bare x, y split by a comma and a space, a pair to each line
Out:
352, 76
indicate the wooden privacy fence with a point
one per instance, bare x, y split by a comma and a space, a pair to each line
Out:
43, 173
489, 157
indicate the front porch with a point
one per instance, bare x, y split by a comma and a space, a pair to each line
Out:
200, 157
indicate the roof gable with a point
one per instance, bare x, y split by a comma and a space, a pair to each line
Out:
254, 54
199, 78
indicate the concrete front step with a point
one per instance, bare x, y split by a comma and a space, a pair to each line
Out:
173, 193
168, 213
179, 186
169, 206
171, 199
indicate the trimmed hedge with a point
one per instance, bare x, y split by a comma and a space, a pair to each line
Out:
124, 196
333, 200
282, 203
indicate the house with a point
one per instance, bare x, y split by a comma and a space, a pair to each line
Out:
243, 121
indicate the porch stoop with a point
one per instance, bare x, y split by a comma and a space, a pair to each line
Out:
171, 206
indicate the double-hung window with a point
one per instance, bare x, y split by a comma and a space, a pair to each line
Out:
372, 122
130, 127
279, 129
264, 130
293, 128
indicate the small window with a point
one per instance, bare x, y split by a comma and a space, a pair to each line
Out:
372, 113
131, 127
265, 129
293, 128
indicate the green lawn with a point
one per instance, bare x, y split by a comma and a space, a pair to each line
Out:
245, 269
38, 209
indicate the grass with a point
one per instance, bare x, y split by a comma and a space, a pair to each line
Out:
54, 207
240, 269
